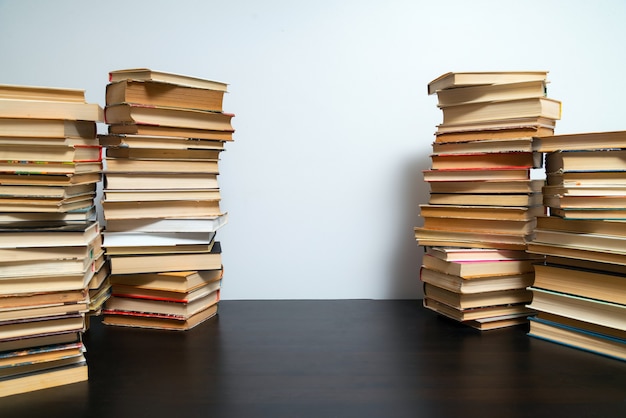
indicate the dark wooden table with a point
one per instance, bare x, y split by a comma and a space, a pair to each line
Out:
348, 358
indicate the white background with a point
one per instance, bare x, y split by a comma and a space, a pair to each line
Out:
333, 123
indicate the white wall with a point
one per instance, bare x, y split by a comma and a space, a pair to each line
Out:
334, 126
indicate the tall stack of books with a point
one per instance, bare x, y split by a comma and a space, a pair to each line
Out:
161, 198
580, 290
484, 199
50, 241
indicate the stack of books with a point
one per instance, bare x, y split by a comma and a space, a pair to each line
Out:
580, 290
484, 198
50, 241
161, 200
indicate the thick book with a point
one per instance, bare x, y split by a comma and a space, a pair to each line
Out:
44, 379
485, 199
161, 142
52, 180
504, 213
478, 268
24, 328
131, 239
54, 192
156, 181
158, 93
143, 195
47, 128
125, 165
157, 321
433, 237
53, 252
491, 92
491, 111
167, 116
589, 141
456, 254
159, 225
163, 153
522, 227
64, 234
595, 160
487, 186
52, 94
501, 129
151, 263
161, 209
602, 255
143, 292
458, 284
40, 109
171, 281
485, 145
471, 314
146, 74
486, 160
502, 174
179, 309
608, 314
473, 78
462, 301
154, 130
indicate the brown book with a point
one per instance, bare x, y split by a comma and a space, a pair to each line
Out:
146, 74
577, 253
163, 154
472, 78
153, 130
53, 180
161, 142
433, 237
504, 213
164, 94
490, 111
474, 199
487, 186
462, 301
62, 192
553, 223
156, 181
161, 209
52, 205
127, 165
86, 153
596, 160
40, 109
582, 141
44, 379
171, 281
64, 234
487, 226
458, 284
38, 93
487, 160
491, 131
157, 321
478, 268
47, 167
179, 309
491, 93
131, 264
507, 174
168, 116
134, 195
46, 128
470, 314
484, 145
478, 254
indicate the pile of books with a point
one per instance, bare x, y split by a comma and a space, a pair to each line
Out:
161, 200
579, 292
484, 197
50, 242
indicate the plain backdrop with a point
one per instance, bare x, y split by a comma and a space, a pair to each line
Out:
333, 124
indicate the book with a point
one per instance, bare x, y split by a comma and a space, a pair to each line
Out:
154, 130
157, 321
167, 262
577, 253
24, 328
486, 160
503, 174
40, 354
147, 74
585, 202
83, 215
124, 165
54, 94
579, 338
41, 109
43, 298
491, 92
49, 180
129, 239
608, 314
458, 284
511, 128
599, 214
603, 243
553, 223
37, 204
430, 237
586, 178
497, 322
462, 301
34, 312
53, 252
158, 93
163, 153
596, 160
161, 209
181, 309
588, 141
506, 109
63, 234
144, 292
161, 142
522, 227
478, 268
143, 195
170, 281
61, 153
471, 78
167, 116
55, 192
504, 213
48, 167
618, 190
469, 314
478, 254
159, 225
585, 282
44, 379
484, 146
487, 186
156, 181
46, 128
29, 268
493, 199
